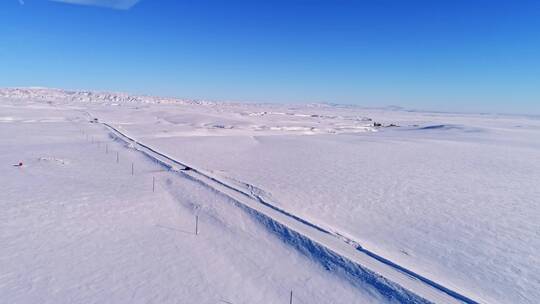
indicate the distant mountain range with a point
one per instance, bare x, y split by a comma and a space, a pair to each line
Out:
60, 95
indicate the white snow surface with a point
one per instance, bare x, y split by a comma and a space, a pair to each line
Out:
452, 197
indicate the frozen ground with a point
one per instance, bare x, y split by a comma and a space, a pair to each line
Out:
452, 197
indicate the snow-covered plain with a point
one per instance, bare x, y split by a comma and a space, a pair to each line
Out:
77, 227
452, 197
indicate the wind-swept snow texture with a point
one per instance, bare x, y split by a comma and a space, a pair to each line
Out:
452, 197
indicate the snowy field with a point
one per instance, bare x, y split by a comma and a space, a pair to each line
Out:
451, 197
77, 227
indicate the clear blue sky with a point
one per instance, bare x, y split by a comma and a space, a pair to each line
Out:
457, 55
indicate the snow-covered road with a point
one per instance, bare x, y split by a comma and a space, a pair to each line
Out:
451, 196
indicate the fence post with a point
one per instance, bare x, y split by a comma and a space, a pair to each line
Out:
196, 225
290, 301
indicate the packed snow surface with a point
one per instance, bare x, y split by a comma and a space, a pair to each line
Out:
453, 197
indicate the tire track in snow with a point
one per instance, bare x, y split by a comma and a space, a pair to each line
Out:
387, 277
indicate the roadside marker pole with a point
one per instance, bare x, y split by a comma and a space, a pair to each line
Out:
117, 157
106, 148
196, 225
153, 184
131, 168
